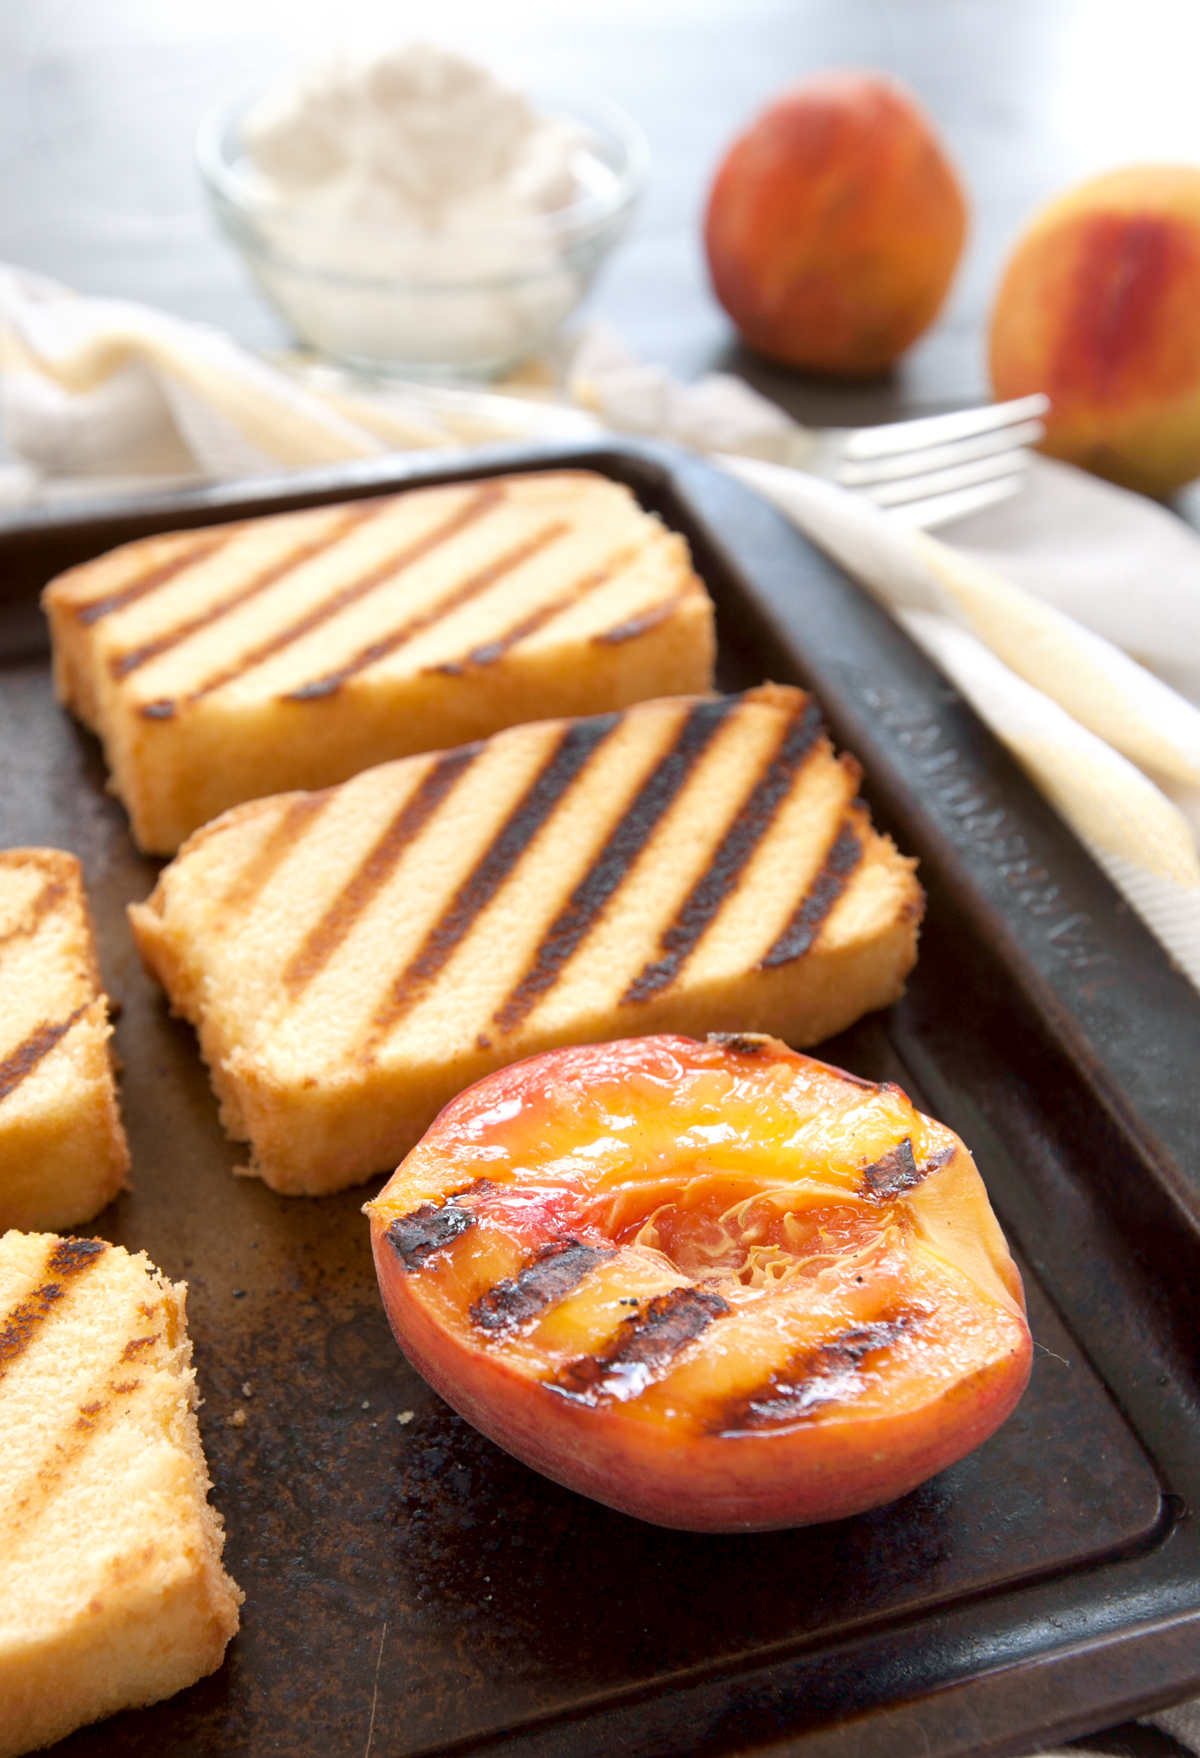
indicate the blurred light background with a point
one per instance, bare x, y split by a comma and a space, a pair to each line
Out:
101, 98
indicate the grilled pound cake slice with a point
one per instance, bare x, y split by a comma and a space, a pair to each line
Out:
63, 1153
224, 664
354, 958
112, 1593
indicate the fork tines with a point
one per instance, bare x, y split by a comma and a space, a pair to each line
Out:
936, 468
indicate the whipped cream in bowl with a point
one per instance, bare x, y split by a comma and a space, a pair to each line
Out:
407, 212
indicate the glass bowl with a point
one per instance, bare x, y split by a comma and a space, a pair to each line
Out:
383, 299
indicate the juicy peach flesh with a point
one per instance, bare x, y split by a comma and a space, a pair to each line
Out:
718, 1286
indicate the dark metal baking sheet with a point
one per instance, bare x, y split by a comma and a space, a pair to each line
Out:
410, 1589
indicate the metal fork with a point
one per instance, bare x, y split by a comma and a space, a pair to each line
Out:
925, 472
934, 468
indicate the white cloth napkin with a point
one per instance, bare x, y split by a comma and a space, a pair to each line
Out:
1064, 615
1105, 739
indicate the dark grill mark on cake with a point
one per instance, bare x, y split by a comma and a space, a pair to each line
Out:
495, 649
643, 1344
611, 867
144, 584
558, 1267
51, 1478
24, 1059
69, 1256
122, 664
479, 504
641, 624
293, 822
828, 1374
135, 1346
416, 1236
470, 588
728, 862
67, 1259
52, 893
809, 917
575, 750
355, 896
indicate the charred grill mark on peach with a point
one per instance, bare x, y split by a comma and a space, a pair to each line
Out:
149, 582
576, 747
416, 1236
643, 1344
893, 1173
809, 917
558, 1268
472, 587
122, 664
856, 1080
376, 869
829, 1374
639, 625
499, 645
36, 1047
739, 1043
480, 504
723, 874
293, 822
67, 1259
897, 1171
477, 1187
609, 870
53, 892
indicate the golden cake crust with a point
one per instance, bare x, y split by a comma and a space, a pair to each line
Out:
63, 1153
112, 1593
353, 958
236, 661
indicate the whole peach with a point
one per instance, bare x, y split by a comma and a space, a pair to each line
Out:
835, 224
1099, 308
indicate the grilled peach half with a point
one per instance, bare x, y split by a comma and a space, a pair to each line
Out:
719, 1286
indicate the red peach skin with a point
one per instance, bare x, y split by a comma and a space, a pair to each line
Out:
901, 1342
